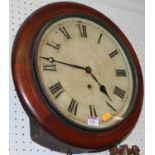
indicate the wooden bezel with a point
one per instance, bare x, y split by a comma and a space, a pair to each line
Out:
32, 100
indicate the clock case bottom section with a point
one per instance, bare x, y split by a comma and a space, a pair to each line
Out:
41, 137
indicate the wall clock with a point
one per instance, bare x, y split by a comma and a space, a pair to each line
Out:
77, 77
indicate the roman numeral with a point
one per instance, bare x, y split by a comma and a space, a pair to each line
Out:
114, 53
99, 39
54, 45
111, 106
64, 32
82, 30
51, 67
92, 111
120, 72
56, 89
73, 107
119, 92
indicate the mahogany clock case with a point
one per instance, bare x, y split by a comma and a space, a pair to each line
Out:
31, 95
35, 69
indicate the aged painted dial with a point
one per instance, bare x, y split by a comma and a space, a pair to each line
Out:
84, 72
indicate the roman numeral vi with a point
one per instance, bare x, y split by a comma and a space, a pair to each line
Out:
92, 111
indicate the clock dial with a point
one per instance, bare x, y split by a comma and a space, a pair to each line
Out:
84, 72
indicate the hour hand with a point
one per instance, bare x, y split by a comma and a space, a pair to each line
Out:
101, 87
103, 90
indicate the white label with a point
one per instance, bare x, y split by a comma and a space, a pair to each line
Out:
93, 121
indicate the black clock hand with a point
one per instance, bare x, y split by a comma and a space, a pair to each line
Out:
87, 69
102, 87
52, 60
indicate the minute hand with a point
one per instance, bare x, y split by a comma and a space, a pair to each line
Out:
87, 69
52, 60
71, 65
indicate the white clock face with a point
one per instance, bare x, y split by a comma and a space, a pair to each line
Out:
84, 73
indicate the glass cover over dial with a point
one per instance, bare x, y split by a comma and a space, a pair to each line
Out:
84, 73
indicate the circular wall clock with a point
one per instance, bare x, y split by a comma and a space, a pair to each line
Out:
77, 77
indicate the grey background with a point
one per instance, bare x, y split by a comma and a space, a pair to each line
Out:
129, 15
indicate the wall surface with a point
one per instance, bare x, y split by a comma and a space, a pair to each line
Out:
127, 14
